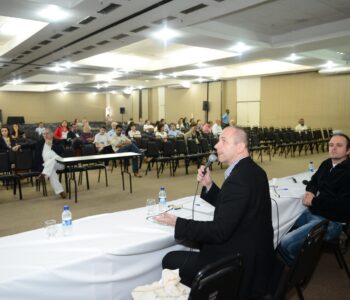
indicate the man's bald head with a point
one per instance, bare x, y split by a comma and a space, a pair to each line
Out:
239, 135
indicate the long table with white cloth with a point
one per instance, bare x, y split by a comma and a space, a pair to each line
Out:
108, 255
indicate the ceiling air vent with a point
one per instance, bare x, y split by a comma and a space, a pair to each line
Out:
45, 42
193, 9
56, 36
219, 0
86, 20
139, 29
102, 42
26, 52
70, 29
108, 8
160, 21
120, 36
35, 48
77, 52
89, 47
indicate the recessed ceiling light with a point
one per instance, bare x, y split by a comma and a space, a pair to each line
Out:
165, 34
240, 48
293, 57
329, 65
53, 13
201, 65
174, 75
16, 81
113, 92
161, 76
127, 90
186, 84
67, 65
200, 79
56, 68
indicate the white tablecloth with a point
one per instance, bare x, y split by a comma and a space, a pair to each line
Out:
109, 255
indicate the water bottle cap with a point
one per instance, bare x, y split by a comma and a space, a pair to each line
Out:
311, 162
162, 188
66, 207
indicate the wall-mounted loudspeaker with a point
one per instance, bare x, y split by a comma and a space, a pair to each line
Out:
122, 110
205, 105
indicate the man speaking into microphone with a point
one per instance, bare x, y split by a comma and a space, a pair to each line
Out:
241, 224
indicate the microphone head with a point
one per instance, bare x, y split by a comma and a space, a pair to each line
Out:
305, 182
212, 158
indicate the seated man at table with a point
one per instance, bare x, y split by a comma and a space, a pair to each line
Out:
101, 142
327, 196
120, 143
47, 150
242, 219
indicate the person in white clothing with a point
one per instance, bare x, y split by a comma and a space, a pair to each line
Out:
101, 139
46, 153
217, 129
301, 126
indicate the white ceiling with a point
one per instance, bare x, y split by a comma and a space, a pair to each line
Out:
118, 49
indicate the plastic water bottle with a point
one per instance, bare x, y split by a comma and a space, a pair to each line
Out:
66, 221
162, 200
311, 166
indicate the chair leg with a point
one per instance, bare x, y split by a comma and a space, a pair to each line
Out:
20, 189
300, 293
87, 179
342, 260
106, 177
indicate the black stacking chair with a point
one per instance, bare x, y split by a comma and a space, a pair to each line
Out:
218, 281
158, 158
6, 176
300, 273
338, 245
89, 149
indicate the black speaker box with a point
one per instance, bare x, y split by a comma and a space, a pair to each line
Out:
205, 105
122, 110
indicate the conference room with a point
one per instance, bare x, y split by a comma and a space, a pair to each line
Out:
278, 69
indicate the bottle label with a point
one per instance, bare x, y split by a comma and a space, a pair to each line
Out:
67, 222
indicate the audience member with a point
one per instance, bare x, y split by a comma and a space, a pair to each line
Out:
17, 133
133, 132
7, 143
40, 129
232, 122
111, 132
327, 197
301, 126
101, 140
61, 131
193, 134
216, 128
47, 150
148, 127
161, 132
108, 120
180, 125
173, 131
120, 143
87, 136
206, 128
225, 118
242, 220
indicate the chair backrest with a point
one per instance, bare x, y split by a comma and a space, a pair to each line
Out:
219, 280
88, 149
23, 160
181, 148
192, 147
152, 149
4, 162
168, 148
308, 256
205, 145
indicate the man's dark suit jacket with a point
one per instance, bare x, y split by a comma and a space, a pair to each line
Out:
38, 155
242, 223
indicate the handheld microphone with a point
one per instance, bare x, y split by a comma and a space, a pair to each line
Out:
305, 182
211, 159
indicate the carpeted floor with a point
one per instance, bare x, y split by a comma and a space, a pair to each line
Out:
328, 282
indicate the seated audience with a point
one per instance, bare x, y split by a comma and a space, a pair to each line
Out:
206, 128
193, 134
173, 131
327, 196
101, 141
216, 128
87, 136
17, 133
40, 129
148, 127
120, 143
161, 132
61, 132
111, 132
7, 143
133, 132
47, 150
180, 125
301, 126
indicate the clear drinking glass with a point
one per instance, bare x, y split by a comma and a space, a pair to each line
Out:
50, 228
151, 206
